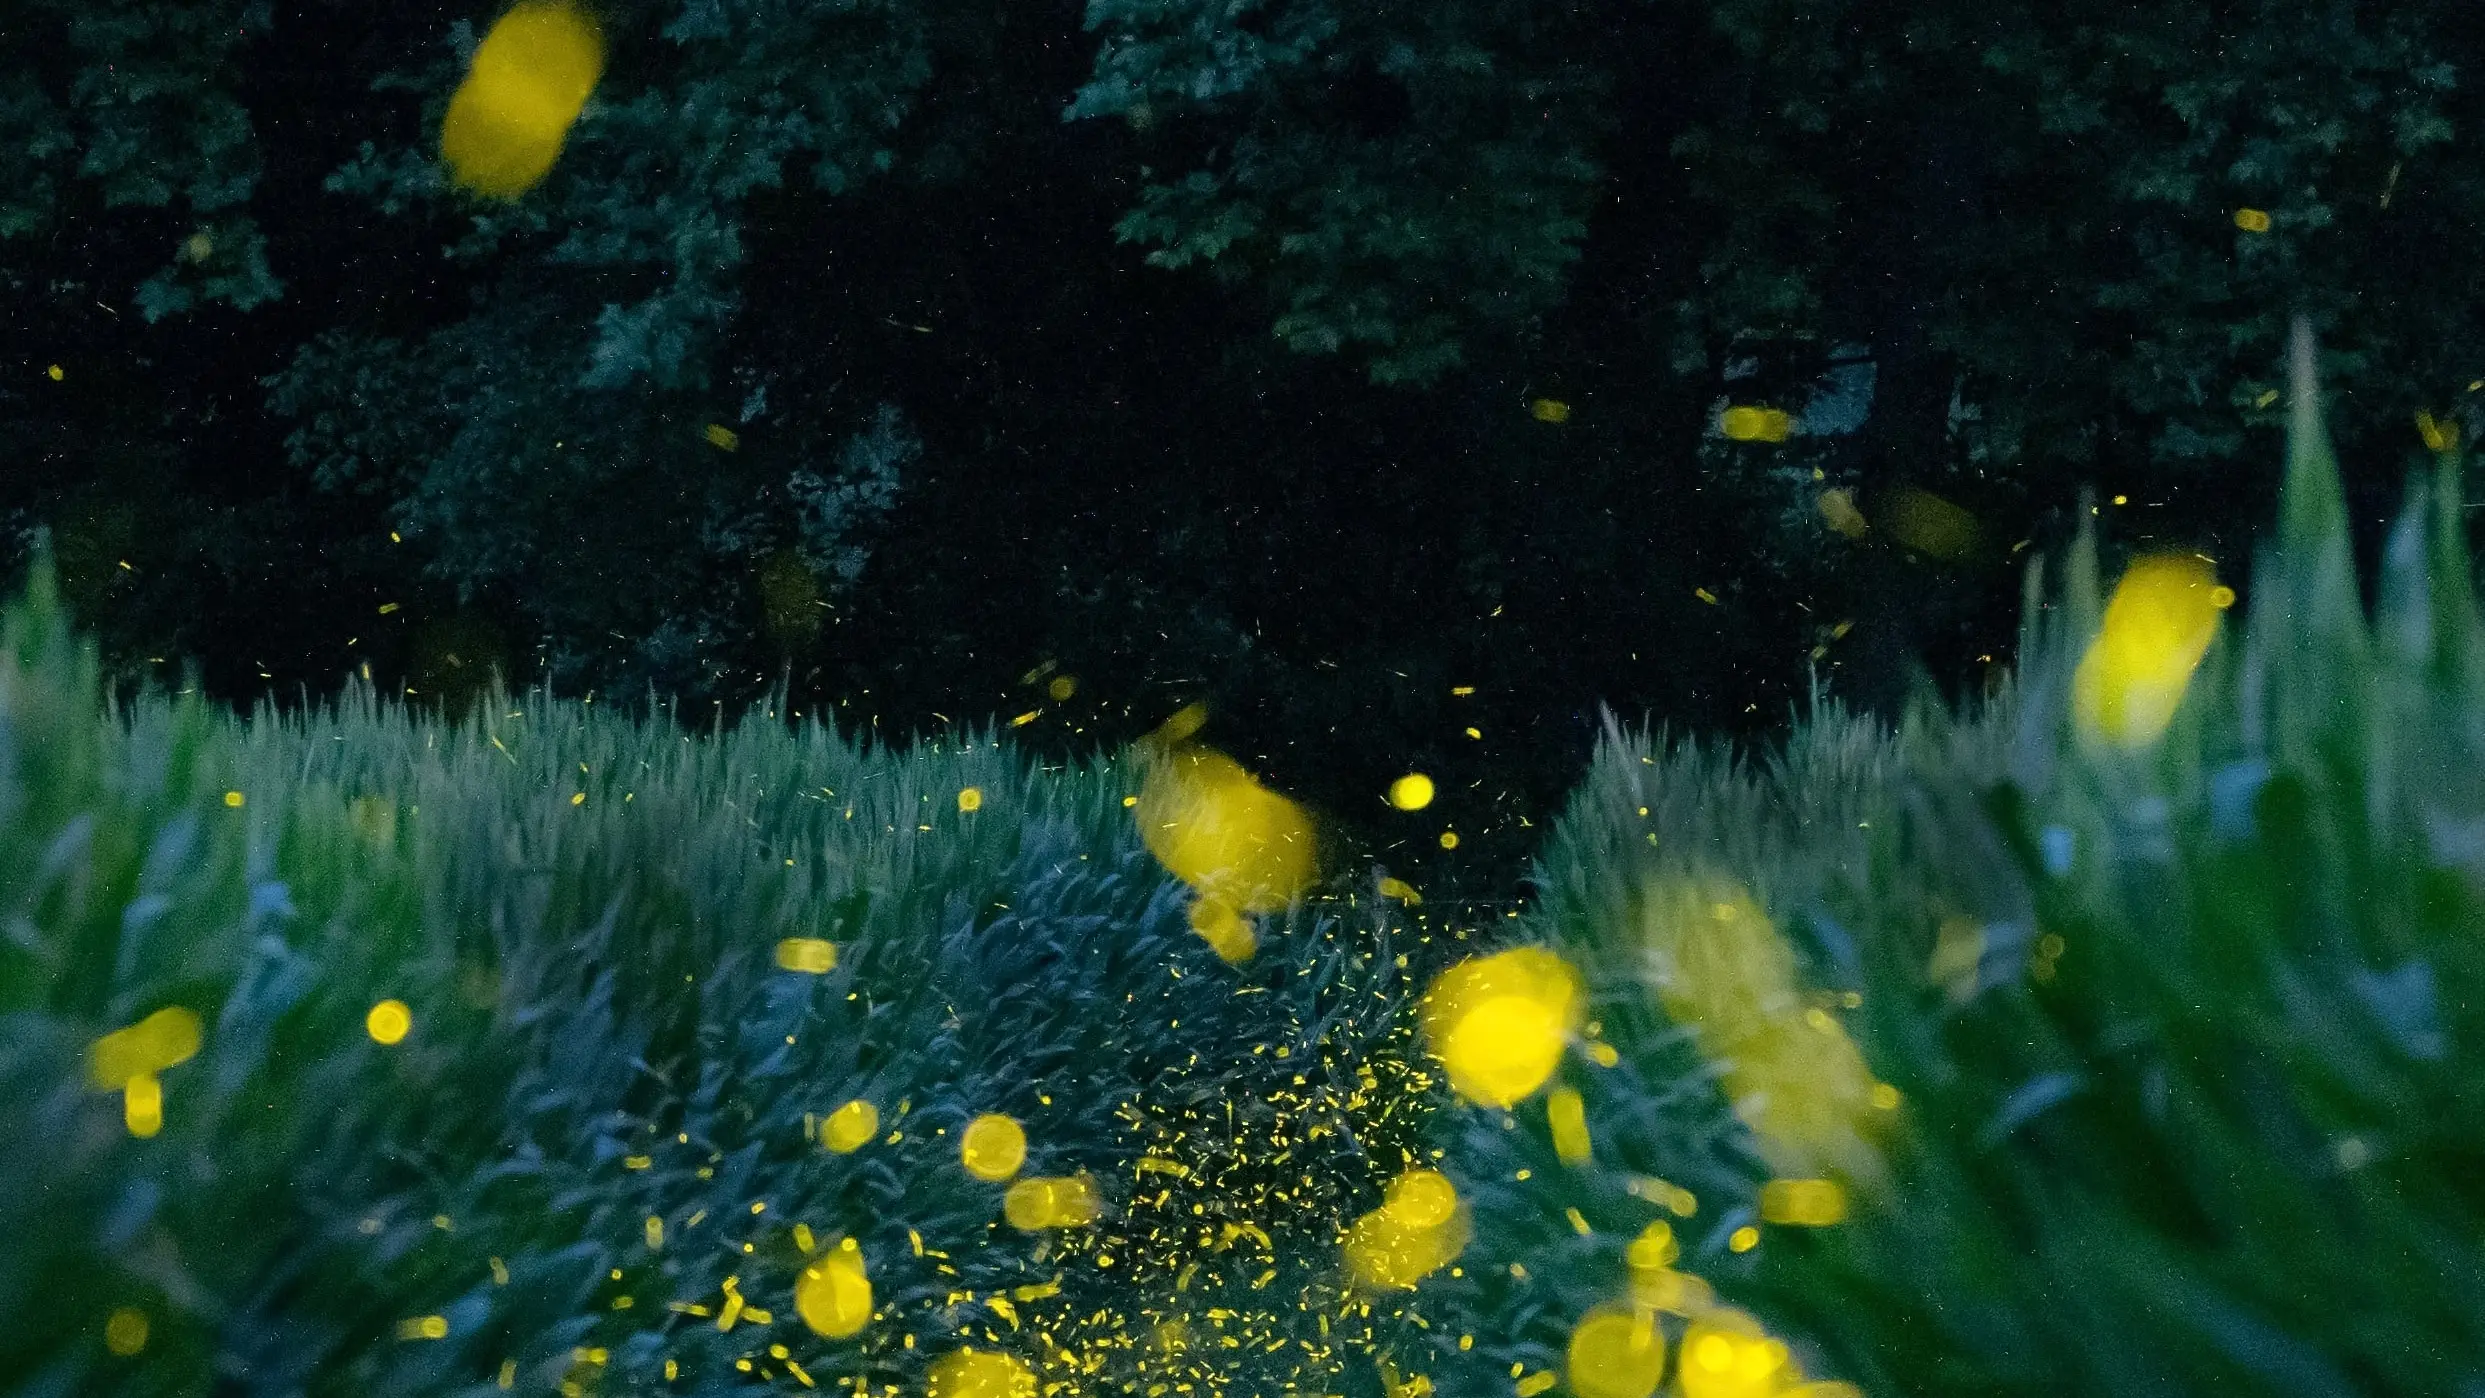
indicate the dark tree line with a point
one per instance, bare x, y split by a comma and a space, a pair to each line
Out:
1319, 359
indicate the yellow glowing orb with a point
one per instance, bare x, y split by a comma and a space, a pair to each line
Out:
389, 1022
833, 1294
812, 956
971, 799
2158, 626
142, 1105
1384, 1252
1549, 410
993, 1147
1615, 1354
1051, 1201
160, 1041
125, 1331
1062, 687
1725, 1354
1226, 931
1411, 792
1748, 424
1420, 1199
1230, 838
1566, 1116
975, 1373
1803, 1203
1499, 1023
531, 77
2252, 220
850, 1127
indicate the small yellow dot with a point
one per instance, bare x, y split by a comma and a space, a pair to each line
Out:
2252, 220
2122, 499
125, 1332
233, 799
1449, 839
55, 376
578, 798
971, 799
1743, 1239
388, 1021
1062, 687
2221, 597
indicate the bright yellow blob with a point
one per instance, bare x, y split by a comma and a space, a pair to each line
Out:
850, 1127
1420, 1199
1402, 891
54, 374
1062, 687
142, 1105
1227, 932
1549, 410
1051, 1201
1215, 828
975, 1373
234, 799
1725, 1354
388, 1022
1411, 792
833, 1294
1747, 424
531, 77
992, 1147
1616, 1353
1499, 1023
812, 956
2252, 220
1567, 1117
971, 799
1803, 1203
160, 1041
721, 437
1418, 1229
1723, 971
125, 1331
2158, 626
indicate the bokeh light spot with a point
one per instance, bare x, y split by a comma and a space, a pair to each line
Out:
388, 1022
125, 1331
812, 956
974, 1373
531, 76
850, 1127
1499, 1023
1411, 792
833, 1293
1615, 1353
2157, 628
993, 1147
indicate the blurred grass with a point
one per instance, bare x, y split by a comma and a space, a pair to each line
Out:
2186, 1041
581, 911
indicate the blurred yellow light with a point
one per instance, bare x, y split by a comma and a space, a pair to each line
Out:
1499, 1023
162, 1040
1420, 1199
1931, 525
142, 1105
1230, 838
2252, 220
530, 78
1838, 511
850, 1127
1549, 410
1567, 1117
1615, 1353
1411, 792
833, 1293
971, 799
234, 799
1803, 1203
2158, 626
721, 437
992, 1147
1725, 1354
1051, 1201
54, 373
389, 1022
1418, 1229
125, 1331
1226, 931
1747, 424
1062, 687
1401, 890
974, 1373
2440, 434
809, 955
